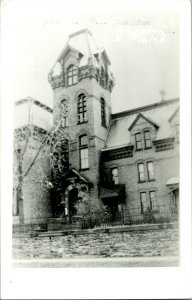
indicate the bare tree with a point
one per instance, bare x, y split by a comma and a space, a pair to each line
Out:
30, 143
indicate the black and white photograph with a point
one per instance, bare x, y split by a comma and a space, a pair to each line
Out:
96, 98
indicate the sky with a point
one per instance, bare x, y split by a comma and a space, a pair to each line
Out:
143, 49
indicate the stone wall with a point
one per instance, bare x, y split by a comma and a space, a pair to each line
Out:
147, 243
35, 205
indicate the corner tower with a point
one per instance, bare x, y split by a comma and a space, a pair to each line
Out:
82, 83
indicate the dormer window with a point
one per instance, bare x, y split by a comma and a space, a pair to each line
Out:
72, 75
82, 109
103, 115
143, 138
147, 139
138, 141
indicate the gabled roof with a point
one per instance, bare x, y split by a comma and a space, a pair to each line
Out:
160, 112
76, 173
147, 119
174, 114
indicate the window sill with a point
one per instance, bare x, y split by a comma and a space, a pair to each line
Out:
68, 85
79, 123
149, 180
139, 149
84, 169
142, 181
146, 148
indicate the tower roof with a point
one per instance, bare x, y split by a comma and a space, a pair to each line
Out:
83, 42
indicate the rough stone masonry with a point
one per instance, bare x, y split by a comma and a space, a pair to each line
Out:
147, 243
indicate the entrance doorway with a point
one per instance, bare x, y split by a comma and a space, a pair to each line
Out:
72, 201
112, 207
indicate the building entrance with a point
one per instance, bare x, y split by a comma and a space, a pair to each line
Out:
72, 201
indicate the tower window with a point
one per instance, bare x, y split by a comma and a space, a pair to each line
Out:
64, 113
150, 170
82, 109
103, 115
83, 150
114, 175
138, 141
147, 139
72, 75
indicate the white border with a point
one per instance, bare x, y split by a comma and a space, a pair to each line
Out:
100, 283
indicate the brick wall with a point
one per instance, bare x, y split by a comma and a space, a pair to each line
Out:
93, 129
166, 165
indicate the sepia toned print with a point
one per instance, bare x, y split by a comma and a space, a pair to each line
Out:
93, 187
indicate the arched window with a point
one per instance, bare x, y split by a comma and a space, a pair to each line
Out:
72, 75
82, 109
64, 113
103, 115
83, 151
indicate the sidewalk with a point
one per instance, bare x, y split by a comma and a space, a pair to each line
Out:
169, 261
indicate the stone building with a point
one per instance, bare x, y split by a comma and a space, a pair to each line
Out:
130, 159
82, 83
31, 173
127, 161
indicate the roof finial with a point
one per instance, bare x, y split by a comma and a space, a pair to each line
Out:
163, 93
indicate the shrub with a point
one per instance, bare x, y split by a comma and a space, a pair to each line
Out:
148, 216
